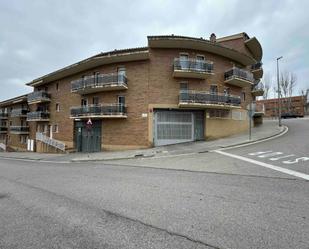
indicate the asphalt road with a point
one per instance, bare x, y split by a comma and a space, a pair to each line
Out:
219, 201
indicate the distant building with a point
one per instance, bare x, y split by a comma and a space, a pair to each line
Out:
295, 105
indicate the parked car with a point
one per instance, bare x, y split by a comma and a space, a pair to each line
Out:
291, 115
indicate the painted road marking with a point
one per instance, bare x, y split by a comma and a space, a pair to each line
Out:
269, 155
300, 159
280, 157
265, 165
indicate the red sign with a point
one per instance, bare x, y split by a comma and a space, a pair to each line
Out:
89, 122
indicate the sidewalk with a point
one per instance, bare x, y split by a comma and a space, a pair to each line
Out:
268, 129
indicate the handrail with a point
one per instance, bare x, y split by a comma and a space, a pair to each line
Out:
50, 141
236, 72
193, 65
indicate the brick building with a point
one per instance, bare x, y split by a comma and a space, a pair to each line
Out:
176, 89
294, 106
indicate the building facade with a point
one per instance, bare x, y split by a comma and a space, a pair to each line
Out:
291, 106
177, 89
14, 129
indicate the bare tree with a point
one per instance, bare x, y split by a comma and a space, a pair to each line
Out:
287, 84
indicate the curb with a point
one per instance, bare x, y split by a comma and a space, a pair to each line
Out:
143, 156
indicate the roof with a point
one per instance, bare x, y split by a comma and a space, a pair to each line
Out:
15, 100
114, 56
175, 41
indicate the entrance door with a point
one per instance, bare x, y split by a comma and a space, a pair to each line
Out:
171, 127
88, 139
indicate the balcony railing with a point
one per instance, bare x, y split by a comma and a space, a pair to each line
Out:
102, 110
19, 112
38, 97
258, 89
208, 99
192, 68
19, 129
38, 116
100, 82
257, 66
238, 77
3, 129
3, 115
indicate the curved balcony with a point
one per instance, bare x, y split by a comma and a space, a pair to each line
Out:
99, 83
258, 109
42, 116
192, 68
99, 111
258, 90
257, 70
19, 129
238, 77
38, 97
197, 99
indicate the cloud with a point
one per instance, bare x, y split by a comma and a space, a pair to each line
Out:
38, 37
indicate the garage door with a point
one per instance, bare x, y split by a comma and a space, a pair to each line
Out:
171, 127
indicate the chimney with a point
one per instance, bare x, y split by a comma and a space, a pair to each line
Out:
212, 37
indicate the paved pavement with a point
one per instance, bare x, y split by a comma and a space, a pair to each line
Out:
230, 203
268, 129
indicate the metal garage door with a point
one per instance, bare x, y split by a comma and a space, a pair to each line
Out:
171, 127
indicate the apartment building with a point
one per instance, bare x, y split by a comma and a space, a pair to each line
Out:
291, 106
14, 129
176, 89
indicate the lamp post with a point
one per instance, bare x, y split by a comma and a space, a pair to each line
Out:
279, 92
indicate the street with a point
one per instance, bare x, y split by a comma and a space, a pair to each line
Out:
254, 196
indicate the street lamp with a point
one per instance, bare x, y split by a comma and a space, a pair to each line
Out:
279, 92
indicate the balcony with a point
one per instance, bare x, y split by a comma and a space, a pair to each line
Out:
19, 129
258, 90
38, 116
191, 99
38, 97
257, 70
99, 83
20, 112
238, 77
192, 68
99, 111
4, 115
3, 129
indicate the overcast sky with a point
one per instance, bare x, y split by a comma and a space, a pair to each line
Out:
38, 37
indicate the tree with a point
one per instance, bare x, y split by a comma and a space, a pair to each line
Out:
267, 83
287, 84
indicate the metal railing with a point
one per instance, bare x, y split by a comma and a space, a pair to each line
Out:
99, 81
208, 98
37, 115
38, 96
50, 141
236, 72
19, 112
193, 65
99, 110
19, 128
3, 128
258, 86
256, 66
3, 115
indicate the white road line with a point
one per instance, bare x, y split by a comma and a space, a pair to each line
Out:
281, 157
271, 154
266, 165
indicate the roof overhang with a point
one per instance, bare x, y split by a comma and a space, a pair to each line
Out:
16, 100
200, 44
89, 63
255, 48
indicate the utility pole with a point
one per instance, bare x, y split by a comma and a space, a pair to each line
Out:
279, 92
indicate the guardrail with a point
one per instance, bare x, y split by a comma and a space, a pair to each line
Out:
208, 98
38, 96
50, 141
193, 65
99, 110
236, 72
40, 115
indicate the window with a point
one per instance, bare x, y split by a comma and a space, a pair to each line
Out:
183, 86
183, 56
11, 123
200, 57
213, 89
46, 89
243, 95
227, 91
217, 113
96, 77
57, 107
23, 139
55, 128
57, 86
121, 100
84, 102
95, 100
